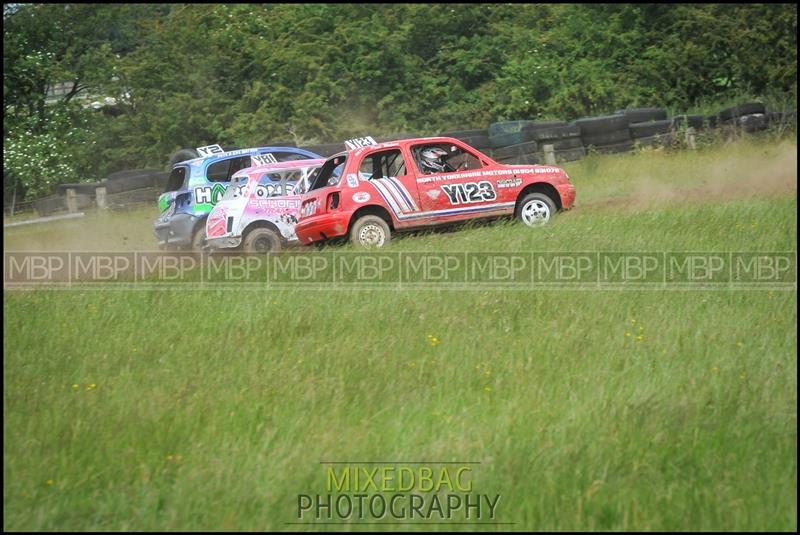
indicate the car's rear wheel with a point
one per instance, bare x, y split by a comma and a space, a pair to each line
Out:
261, 240
370, 231
536, 209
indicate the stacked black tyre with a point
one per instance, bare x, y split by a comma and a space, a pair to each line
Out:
749, 117
513, 142
564, 138
654, 133
478, 138
648, 126
608, 134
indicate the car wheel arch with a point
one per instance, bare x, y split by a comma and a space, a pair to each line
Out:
539, 187
261, 224
371, 209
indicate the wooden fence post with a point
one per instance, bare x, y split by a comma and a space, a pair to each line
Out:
549, 155
690, 139
100, 196
72, 201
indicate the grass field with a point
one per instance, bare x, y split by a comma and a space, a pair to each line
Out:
208, 410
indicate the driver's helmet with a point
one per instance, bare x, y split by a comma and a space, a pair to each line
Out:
432, 160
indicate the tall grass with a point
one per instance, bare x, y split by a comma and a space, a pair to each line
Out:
193, 410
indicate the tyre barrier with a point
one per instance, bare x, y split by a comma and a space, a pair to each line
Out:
749, 108
595, 126
513, 151
462, 134
551, 132
642, 130
643, 115
607, 138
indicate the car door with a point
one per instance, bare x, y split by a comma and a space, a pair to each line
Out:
386, 171
460, 191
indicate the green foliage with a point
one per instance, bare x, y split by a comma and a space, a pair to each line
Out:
245, 74
43, 155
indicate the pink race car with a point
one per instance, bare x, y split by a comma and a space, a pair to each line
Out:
259, 210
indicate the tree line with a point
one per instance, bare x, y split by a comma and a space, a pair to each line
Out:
185, 75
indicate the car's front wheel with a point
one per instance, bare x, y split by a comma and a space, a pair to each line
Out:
261, 240
536, 209
199, 239
370, 231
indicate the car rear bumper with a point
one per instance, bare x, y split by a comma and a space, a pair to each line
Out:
177, 230
322, 227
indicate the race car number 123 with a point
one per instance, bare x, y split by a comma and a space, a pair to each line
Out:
470, 192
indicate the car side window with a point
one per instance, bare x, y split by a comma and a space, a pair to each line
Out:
443, 158
387, 163
219, 171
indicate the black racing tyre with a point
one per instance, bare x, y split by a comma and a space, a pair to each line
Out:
326, 149
570, 155
753, 123
512, 151
535, 209
607, 138
568, 143
504, 140
507, 127
712, 121
521, 159
748, 108
181, 156
652, 128
370, 231
261, 240
199, 238
477, 141
552, 132
602, 125
694, 121
461, 134
643, 115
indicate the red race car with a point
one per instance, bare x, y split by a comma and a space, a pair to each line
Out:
372, 190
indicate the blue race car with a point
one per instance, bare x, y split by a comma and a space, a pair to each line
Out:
195, 186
